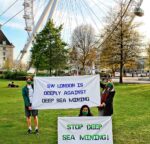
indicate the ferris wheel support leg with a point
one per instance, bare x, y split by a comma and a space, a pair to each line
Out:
43, 16
52, 10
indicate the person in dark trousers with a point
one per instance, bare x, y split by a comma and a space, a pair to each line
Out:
85, 111
27, 93
106, 106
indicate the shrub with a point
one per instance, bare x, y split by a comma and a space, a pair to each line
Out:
16, 75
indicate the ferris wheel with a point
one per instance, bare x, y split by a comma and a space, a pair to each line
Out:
70, 13
28, 16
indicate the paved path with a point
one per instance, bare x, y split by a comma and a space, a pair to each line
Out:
139, 80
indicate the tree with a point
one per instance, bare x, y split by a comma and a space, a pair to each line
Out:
48, 51
8, 64
123, 45
148, 58
83, 51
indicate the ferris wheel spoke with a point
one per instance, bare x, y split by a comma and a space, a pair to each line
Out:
9, 7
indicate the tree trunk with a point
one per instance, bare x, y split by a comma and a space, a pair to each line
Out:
149, 72
121, 64
121, 50
50, 55
83, 68
121, 68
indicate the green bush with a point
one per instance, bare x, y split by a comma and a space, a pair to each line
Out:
17, 75
58, 73
41, 74
1, 76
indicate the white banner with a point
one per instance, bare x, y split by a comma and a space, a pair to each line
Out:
85, 130
66, 92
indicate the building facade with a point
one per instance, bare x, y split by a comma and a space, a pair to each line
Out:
6, 52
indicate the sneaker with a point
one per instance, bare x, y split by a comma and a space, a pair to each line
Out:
36, 131
29, 131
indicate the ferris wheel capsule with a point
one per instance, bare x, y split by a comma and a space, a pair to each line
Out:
28, 28
138, 12
26, 4
26, 16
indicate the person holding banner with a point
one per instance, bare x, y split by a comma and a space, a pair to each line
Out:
106, 106
27, 93
85, 111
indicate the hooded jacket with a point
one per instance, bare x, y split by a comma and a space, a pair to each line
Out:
25, 94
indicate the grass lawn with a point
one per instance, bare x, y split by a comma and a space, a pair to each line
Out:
131, 119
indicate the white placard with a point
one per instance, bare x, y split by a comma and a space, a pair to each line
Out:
85, 130
66, 92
